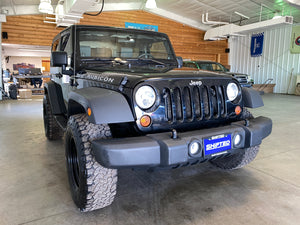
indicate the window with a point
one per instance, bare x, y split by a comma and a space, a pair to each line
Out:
158, 50
205, 66
55, 45
64, 41
217, 67
113, 44
191, 65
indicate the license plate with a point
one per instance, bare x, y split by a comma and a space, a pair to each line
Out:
217, 144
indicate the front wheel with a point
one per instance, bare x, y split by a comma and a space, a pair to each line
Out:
92, 185
238, 160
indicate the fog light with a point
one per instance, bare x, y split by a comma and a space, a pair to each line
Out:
194, 148
145, 121
237, 140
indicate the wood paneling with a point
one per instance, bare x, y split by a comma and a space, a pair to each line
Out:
187, 41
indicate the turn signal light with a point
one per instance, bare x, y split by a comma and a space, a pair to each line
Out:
89, 111
238, 110
145, 121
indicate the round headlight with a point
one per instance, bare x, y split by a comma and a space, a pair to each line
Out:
145, 97
232, 91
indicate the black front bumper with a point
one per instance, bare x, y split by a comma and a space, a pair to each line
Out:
160, 150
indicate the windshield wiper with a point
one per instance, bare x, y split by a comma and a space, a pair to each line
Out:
96, 60
152, 60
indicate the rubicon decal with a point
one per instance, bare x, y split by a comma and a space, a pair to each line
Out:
97, 77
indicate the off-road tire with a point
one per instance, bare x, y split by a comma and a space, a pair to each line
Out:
238, 160
92, 185
52, 129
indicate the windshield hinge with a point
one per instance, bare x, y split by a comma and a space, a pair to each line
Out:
122, 84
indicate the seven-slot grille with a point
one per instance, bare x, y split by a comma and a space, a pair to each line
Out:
184, 104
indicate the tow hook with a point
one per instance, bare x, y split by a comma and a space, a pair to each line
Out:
247, 123
174, 134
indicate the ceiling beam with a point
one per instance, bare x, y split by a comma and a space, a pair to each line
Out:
178, 18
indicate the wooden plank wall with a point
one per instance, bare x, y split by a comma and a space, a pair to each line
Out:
187, 41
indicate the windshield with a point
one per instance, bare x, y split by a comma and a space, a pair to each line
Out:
119, 50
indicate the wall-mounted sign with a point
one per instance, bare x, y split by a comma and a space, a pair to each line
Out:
141, 26
295, 40
257, 44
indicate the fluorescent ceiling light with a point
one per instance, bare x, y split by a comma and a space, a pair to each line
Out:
151, 4
295, 2
45, 6
33, 50
242, 15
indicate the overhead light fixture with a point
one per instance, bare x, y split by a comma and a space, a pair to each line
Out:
45, 6
151, 4
33, 50
242, 15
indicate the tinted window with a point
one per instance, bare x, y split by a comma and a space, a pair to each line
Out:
217, 67
55, 45
205, 66
64, 41
190, 65
112, 44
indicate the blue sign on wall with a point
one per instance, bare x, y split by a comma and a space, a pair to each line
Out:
257, 43
141, 26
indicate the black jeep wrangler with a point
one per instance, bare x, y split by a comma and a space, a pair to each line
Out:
119, 100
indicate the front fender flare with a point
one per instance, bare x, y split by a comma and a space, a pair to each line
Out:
55, 95
107, 106
251, 98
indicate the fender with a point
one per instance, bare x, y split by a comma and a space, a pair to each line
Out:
251, 98
55, 97
107, 106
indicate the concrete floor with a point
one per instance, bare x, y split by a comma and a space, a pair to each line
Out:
34, 187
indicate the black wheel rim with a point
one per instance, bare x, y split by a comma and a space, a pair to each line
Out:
73, 163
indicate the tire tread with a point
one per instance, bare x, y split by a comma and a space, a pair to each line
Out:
101, 182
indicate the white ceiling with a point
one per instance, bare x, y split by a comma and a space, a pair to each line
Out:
184, 11
187, 11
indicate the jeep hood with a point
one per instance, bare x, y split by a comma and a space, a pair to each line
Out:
130, 80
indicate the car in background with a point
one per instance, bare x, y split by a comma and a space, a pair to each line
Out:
244, 79
205, 65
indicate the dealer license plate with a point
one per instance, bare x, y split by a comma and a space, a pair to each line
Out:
216, 144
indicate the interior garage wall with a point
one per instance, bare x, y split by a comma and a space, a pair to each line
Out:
36, 61
187, 41
276, 61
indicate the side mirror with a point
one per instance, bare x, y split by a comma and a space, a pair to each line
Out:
59, 59
179, 61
